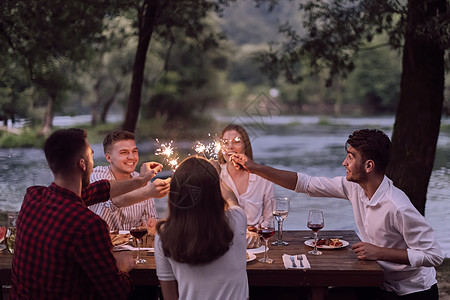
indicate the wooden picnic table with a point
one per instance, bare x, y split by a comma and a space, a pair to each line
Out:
336, 267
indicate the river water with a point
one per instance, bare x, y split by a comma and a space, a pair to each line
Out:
313, 145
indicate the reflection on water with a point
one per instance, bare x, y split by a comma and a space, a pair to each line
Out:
290, 143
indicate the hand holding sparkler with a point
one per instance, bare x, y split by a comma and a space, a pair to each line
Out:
150, 169
242, 162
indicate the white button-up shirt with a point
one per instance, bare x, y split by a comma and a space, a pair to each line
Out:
256, 201
387, 220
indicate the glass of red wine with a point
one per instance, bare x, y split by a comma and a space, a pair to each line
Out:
138, 231
315, 223
266, 232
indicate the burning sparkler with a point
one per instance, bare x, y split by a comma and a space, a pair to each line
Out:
171, 157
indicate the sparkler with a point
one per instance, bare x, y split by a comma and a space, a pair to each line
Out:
209, 151
171, 157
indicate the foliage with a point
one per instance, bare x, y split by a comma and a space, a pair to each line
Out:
191, 80
28, 138
49, 38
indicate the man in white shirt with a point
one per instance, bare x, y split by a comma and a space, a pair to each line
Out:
392, 231
122, 154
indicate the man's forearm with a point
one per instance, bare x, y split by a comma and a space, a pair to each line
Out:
132, 197
123, 186
286, 179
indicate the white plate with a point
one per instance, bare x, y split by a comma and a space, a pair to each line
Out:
251, 256
310, 243
257, 250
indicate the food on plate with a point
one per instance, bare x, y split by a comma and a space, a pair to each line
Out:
329, 242
119, 238
247, 255
253, 240
252, 229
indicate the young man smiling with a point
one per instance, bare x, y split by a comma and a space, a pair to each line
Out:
122, 154
392, 231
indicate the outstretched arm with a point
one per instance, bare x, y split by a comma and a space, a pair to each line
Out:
286, 179
148, 171
157, 189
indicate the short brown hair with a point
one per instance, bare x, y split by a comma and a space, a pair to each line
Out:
115, 136
245, 138
373, 144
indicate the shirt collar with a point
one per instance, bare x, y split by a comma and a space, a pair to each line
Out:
380, 192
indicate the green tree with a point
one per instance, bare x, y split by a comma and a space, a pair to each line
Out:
53, 37
166, 18
336, 32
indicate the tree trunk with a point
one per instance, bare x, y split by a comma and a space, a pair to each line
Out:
146, 22
419, 111
109, 102
47, 123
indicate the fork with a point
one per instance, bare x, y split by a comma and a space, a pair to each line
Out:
293, 262
300, 258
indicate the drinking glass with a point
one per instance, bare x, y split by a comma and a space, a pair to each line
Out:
266, 233
315, 223
280, 212
138, 231
10, 235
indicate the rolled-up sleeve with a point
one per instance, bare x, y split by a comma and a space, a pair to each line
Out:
423, 249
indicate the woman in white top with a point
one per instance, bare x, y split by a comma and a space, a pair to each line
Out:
200, 249
254, 193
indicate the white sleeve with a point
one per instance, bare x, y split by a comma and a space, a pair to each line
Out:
423, 249
322, 186
164, 269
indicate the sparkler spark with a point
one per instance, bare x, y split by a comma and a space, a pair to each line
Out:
167, 150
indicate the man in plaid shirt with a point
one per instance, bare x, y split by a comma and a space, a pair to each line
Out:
63, 250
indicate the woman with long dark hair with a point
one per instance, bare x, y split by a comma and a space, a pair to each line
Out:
200, 249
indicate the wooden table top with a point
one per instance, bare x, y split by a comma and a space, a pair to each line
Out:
337, 267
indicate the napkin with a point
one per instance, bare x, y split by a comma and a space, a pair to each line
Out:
131, 248
288, 262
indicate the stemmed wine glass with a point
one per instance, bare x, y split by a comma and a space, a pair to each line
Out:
266, 232
280, 212
315, 223
138, 231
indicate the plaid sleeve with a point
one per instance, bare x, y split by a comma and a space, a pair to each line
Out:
96, 257
96, 192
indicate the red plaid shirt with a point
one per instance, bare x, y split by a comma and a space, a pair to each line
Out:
63, 250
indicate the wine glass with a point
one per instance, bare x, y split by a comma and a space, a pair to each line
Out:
266, 232
138, 231
315, 223
280, 212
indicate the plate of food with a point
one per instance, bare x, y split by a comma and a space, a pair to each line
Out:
328, 243
250, 256
119, 237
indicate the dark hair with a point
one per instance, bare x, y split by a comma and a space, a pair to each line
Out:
373, 144
114, 136
196, 230
63, 148
245, 138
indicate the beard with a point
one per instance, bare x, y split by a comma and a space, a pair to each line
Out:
85, 180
